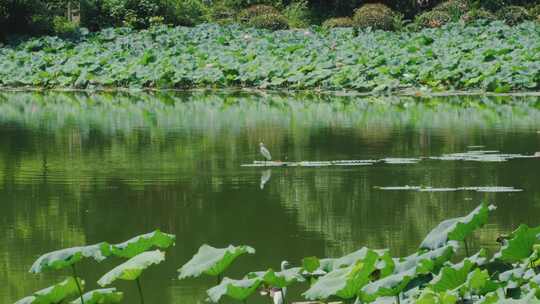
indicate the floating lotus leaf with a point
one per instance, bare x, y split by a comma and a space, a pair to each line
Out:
405, 271
279, 279
212, 261
132, 269
452, 276
457, 229
142, 243
66, 257
236, 289
479, 283
310, 264
101, 296
428, 296
520, 245
344, 282
54, 294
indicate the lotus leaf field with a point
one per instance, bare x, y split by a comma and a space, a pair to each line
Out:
442, 270
480, 57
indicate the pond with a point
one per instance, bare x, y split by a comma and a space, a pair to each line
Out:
78, 169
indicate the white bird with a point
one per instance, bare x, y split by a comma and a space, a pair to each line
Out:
265, 153
265, 177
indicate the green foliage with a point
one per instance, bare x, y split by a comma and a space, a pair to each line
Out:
212, 261
519, 245
272, 22
297, 14
475, 15
338, 22
254, 11
376, 16
67, 257
513, 14
54, 294
236, 289
63, 27
101, 296
489, 57
142, 243
133, 268
457, 229
184, 12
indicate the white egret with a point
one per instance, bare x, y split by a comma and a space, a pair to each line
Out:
265, 177
265, 153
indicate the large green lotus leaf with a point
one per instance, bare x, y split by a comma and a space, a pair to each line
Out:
142, 243
499, 297
280, 279
520, 245
310, 264
429, 296
133, 268
457, 229
405, 271
330, 264
236, 289
344, 282
66, 257
54, 294
212, 261
101, 296
452, 276
479, 283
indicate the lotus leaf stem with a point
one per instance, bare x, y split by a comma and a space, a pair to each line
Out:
466, 246
283, 296
77, 282
140, 290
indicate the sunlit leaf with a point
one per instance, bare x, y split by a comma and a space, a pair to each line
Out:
142, 243
101, 296
66, 257
236, 289
54, 294
212, 261
457, 229
133, 268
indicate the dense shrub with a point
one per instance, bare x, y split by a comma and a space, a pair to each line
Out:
64, 27
478, 14
434, 18
184, 12
338, 22
255, 11
376, 16
534, 11
269, 21
513, 14
298, 14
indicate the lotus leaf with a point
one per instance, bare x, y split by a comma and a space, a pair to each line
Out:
345, 282
54, 294
66, 257
452, 276
457, 229
133, 268
520, 244
143, 243
236, 289
212, 261
279, 279
101, 296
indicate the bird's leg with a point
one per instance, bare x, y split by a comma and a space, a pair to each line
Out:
282, 295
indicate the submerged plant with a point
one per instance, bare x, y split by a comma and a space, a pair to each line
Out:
132, 269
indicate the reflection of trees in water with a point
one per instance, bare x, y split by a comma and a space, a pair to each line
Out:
173, 163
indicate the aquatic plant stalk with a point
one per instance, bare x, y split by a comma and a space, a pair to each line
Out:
140, 290
77, 282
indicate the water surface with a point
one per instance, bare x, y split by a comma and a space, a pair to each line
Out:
79, 169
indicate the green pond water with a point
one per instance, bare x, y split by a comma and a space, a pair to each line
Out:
78, 169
